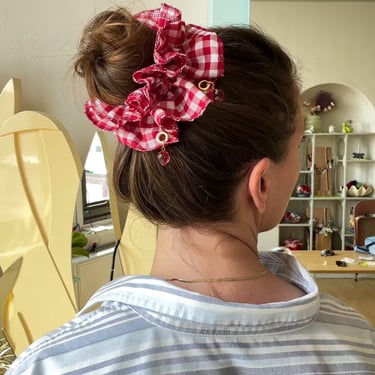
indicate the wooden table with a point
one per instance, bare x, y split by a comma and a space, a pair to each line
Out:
316, 263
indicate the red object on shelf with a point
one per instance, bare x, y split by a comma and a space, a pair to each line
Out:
303, 190
293, 244
292, 217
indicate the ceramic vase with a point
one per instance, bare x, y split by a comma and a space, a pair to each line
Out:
313, 123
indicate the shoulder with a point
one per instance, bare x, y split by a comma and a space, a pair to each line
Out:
287, 267
95, 326
333, 311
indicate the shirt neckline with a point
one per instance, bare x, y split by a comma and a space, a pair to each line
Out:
166, 305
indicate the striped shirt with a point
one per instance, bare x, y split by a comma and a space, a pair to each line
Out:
145, 325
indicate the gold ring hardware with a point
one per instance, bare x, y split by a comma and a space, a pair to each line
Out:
162, 137
205, 85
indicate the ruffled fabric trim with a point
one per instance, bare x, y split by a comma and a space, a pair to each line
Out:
183, 56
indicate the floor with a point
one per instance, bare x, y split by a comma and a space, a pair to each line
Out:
359, 294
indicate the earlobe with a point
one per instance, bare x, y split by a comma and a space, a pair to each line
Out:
259, 184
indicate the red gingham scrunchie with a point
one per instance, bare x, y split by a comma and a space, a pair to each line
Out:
184, 55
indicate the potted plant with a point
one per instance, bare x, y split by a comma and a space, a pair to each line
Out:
323, 102
79, 241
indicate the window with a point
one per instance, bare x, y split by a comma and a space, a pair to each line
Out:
95, 194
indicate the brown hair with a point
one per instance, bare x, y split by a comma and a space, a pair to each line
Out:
256, 119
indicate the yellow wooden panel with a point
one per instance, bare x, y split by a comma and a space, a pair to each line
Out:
40, 178
10, 99
138, 243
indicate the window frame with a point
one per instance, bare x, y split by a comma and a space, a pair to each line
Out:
94, 211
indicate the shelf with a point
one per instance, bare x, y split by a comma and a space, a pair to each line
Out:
360, 134
337, 134
307, 224
329, 198
295, 198
361, 161
327, 163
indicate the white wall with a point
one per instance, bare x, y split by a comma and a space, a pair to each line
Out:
332, 41
38, 39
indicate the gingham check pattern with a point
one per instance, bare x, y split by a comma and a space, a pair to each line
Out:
183, 56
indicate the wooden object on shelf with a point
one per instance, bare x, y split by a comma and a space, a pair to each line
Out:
323, 169
320, 214
323, 241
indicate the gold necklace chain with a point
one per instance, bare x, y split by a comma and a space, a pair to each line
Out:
243, 278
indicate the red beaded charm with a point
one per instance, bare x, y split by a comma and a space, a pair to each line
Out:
163, 157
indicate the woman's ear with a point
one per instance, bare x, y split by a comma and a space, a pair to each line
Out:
259, 184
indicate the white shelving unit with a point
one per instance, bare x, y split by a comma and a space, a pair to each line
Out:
351, 104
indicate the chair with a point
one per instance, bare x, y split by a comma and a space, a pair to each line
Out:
138, 243
364, 221
40, 175
7, 282
137, 235
118, 209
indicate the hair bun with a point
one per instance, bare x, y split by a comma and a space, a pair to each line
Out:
113, 46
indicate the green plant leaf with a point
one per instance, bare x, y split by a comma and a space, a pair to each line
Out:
79, 239
80, 252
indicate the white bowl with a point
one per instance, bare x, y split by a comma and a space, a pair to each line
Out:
363, 191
